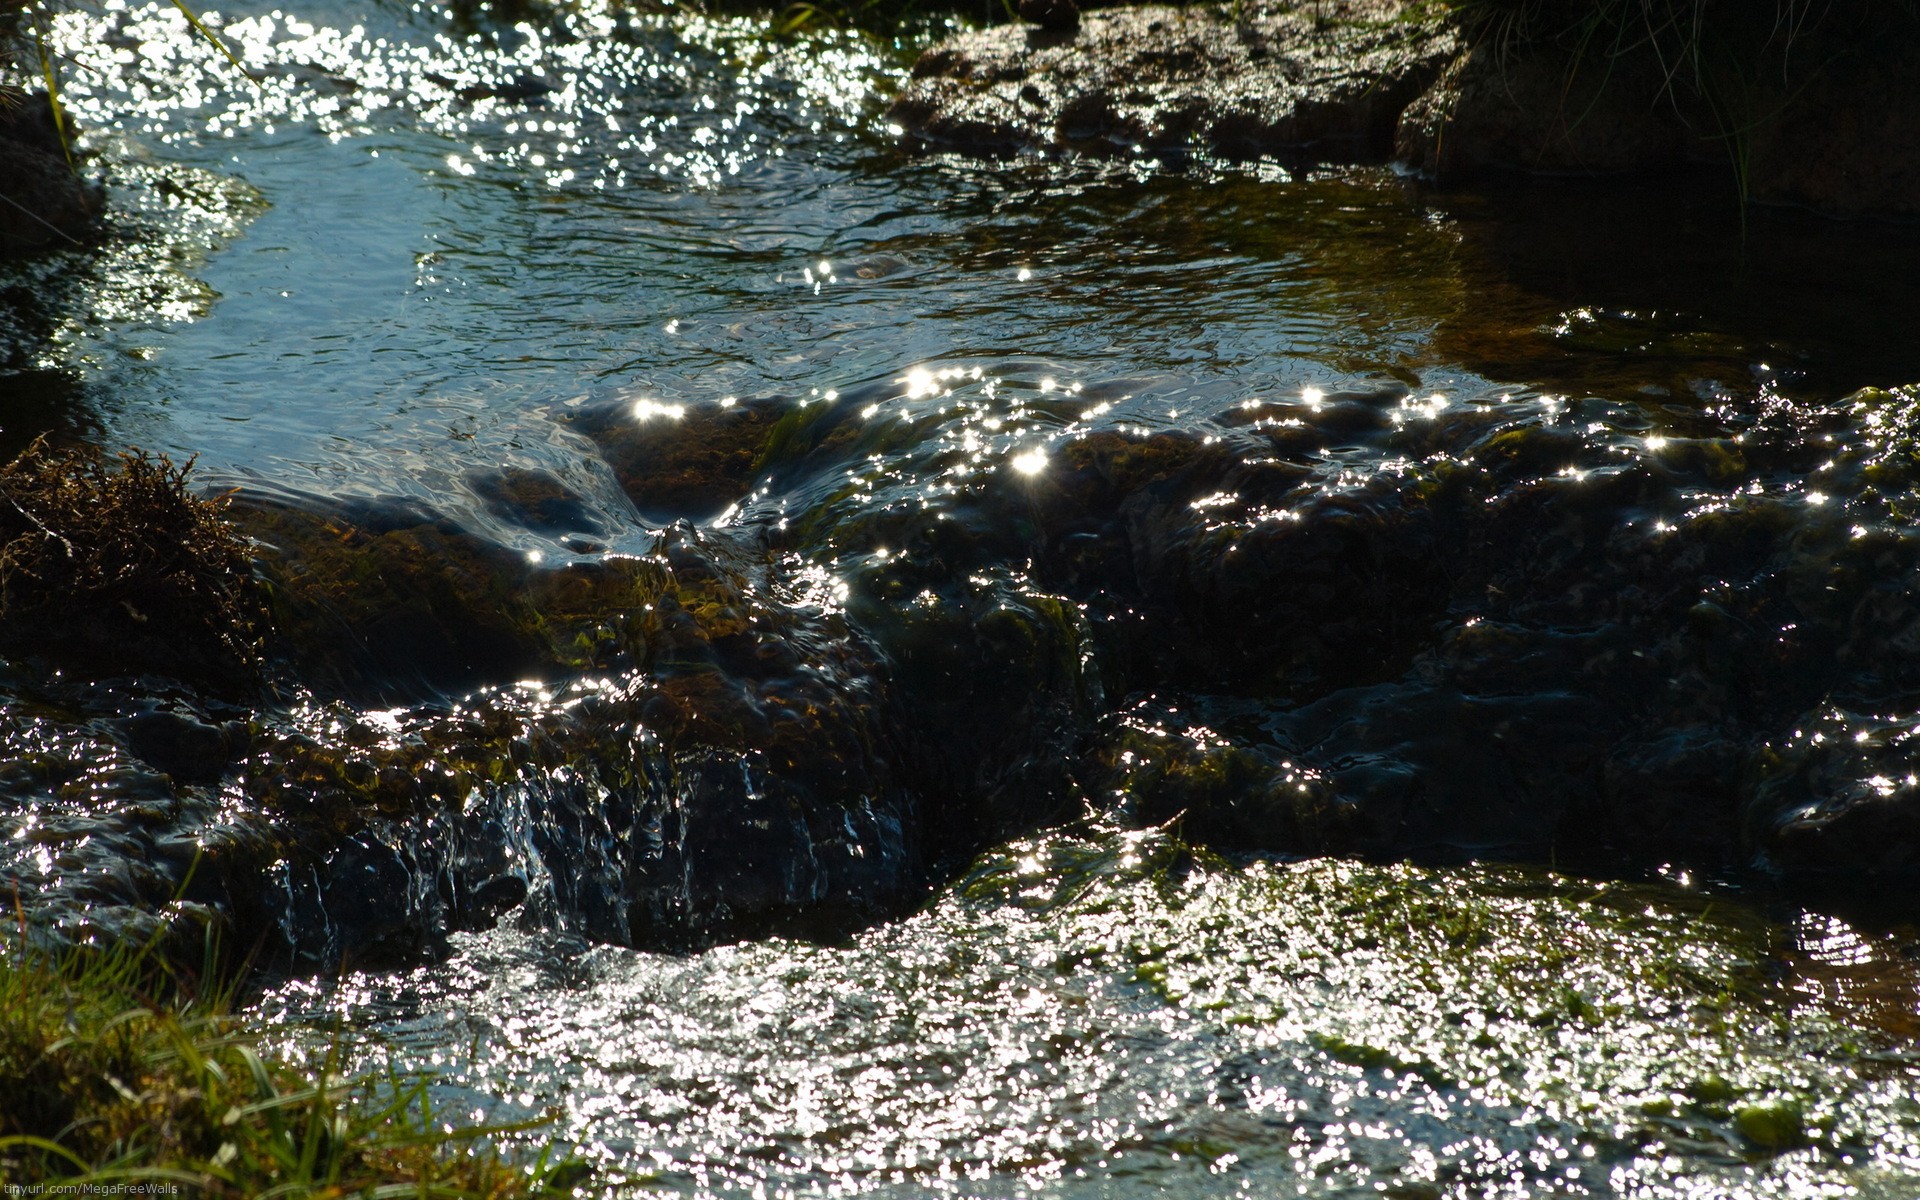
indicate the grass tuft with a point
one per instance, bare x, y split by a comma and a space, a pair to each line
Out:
110, 1085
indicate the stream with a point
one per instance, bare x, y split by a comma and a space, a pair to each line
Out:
828, 672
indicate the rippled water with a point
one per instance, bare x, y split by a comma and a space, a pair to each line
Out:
459, 296
1108, 1015
432, 235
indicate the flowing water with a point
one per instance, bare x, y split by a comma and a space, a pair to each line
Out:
1186, 507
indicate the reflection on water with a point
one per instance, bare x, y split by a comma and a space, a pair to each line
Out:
1112, 1016
507, 217
489, 307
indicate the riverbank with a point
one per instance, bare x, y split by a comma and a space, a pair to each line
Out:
45, 203
1813, 111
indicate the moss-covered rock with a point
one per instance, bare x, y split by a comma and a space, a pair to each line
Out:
395, 598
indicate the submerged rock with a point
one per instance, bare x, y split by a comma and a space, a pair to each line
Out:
1324, 81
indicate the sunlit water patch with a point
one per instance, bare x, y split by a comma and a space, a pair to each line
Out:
1116, 1016
107, 305
501, 214
465, 226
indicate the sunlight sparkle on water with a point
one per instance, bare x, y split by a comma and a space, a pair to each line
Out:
1030, 462
647, 410
920, 383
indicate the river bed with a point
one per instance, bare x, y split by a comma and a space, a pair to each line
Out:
469, 319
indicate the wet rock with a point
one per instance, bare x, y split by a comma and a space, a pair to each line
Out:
1816, 115
360, 905
390, 597
1160, 764
682, 461
1838, 802
184, 743
43, 202
1581, 659
734, 772
995, 688
1371, 621
1325, 81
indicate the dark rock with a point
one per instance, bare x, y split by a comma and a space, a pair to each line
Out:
185, 745
360, 904
1821, 115
1846, 143
1838, 802
1274, 80
43, 202
1057, 15
690, 461
1544, 108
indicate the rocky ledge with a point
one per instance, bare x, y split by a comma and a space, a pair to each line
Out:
1244, 82
1820, 116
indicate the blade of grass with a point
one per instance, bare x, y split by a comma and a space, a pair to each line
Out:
220, 44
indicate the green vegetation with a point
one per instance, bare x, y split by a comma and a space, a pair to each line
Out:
109, 1084
114, 564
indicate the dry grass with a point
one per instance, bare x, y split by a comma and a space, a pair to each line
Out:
114, 564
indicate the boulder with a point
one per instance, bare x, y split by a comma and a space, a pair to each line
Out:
1323, 81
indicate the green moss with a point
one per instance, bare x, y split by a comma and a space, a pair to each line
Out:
397, 602
1771, 1124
